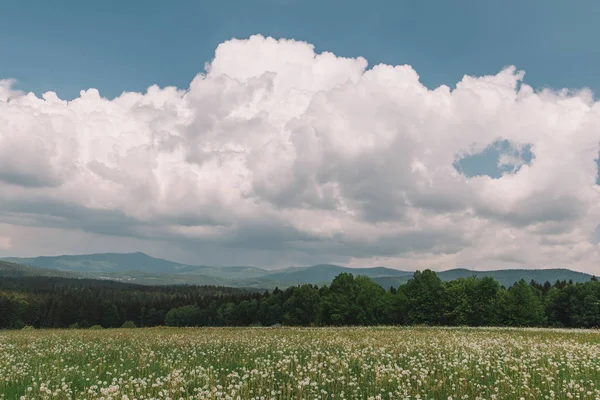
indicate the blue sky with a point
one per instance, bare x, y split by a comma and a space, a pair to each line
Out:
66, 46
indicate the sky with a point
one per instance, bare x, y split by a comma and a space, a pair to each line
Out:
409, 134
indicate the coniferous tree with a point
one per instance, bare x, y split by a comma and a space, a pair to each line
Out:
348, 300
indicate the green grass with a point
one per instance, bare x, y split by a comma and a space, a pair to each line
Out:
303, 363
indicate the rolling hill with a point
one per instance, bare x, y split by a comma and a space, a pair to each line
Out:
141, 268
134, 264
510, 276
324, 273
105, 262
144, 269
505, 277
9, 269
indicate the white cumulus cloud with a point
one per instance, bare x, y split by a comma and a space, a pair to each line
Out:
278, 154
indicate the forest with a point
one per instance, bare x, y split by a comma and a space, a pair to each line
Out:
42, 302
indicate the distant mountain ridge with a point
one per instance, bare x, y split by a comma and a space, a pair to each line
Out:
103, 262
324, 273
143, 269
10, 269
505, 277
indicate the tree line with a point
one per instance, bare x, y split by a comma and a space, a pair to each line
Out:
348, 300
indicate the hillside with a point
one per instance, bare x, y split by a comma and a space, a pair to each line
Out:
505, 277
105, 262
324, 273
137, 266
511, 276
9, 269
143, 269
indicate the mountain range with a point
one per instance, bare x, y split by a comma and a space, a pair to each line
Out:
141, 268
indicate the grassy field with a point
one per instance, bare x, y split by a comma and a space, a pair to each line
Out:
288, 363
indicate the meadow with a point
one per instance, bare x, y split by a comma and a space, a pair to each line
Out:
300, 363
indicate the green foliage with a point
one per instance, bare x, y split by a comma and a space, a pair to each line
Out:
348, 300
270, 311
110, 315
423, 298
472, 301
183, 316
370, 301
96, 327
226, 314
129, 325
302, 307
339, 307
522, 306
245, 312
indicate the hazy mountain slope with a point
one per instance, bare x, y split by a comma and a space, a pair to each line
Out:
8, 269
391, 281
143, 269
511, 276
225, 272
119, 263
105, 262
153, 279
505, 277
325, 273
13, 270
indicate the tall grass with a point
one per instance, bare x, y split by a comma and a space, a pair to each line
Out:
302, 363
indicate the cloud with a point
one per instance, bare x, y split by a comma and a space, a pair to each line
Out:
5, 242
278, 154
